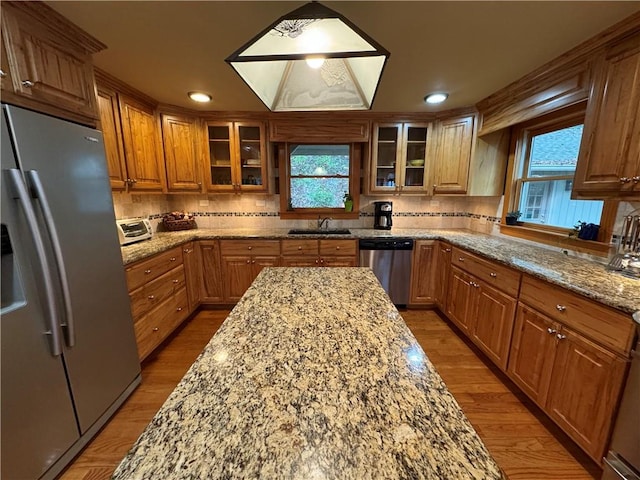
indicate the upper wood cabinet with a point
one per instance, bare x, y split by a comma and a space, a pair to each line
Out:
451, 164
181, 153
609, 160
112, 135
142, 147
48, 64
237, 157
399, 158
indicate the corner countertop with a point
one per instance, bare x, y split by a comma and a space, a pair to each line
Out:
314, 374
579, 275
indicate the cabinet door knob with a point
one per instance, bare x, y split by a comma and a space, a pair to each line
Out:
338, 247
2, 73
179, 309
316, 261
447, 250
625, 179
155, 329
176, 281
461, 259
250, 247
551, 331
147, 272
493, 275
560, 336
248, 261
173, 259
300, 248
151, 297
636, 179
27, 83
561, 308
253, 261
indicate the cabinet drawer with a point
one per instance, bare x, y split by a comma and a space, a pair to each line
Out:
146, 270
338, 247
157, 291
300, 247
498, 276
153, 328
250, 247
602, 324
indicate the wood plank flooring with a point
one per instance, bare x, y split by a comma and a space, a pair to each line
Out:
524, 442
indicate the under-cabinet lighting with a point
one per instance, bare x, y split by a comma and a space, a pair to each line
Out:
200, 97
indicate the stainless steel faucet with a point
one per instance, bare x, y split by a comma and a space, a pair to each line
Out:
323, 223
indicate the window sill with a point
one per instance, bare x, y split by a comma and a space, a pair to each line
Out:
306, 214
560, 240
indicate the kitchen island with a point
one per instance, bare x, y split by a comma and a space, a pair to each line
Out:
314, 374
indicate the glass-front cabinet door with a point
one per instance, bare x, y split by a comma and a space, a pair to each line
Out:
237, 156
399, 158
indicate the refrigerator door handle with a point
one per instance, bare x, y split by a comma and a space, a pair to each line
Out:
38, 189
21, 193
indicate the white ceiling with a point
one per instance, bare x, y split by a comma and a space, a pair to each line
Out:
470, 49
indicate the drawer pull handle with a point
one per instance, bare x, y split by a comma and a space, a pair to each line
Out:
551, 331
461, 259
173, 259
338, 247
447, 250
151, 297
560, 336
493, 275
147, 272
253, 261
300, 248
561, 308
155, 329
248, 261
179, 309
625, 179
2, 74
176, 281
250, 247
27, 83
316, 261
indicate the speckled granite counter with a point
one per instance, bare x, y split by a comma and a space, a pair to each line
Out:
579, 275
314, 374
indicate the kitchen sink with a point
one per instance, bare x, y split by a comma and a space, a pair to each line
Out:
315, 231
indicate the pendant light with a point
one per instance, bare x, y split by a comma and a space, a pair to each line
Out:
312, 59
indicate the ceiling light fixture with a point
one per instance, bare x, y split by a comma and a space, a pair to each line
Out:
313, 58
434, 98
200, 97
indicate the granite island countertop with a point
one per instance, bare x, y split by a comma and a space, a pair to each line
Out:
314, 374
579, 275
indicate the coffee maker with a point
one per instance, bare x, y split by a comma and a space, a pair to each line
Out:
382, 215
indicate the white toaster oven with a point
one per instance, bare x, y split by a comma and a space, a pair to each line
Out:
133, 230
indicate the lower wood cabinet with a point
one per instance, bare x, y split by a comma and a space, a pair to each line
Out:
193, 273
242, 261
158, 295
423, 273
211, 287
319, 253
574, 380
441, 274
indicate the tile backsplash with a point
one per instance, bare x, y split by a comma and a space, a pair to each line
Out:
261, 211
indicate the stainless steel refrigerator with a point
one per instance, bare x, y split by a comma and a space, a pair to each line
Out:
68, 352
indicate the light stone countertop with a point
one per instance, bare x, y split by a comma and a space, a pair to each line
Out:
314, 375
579, 275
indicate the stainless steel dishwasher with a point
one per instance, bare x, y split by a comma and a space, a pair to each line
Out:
390, 260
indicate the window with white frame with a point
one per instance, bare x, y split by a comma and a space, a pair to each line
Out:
546, 162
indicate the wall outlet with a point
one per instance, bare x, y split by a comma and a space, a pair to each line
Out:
203, 203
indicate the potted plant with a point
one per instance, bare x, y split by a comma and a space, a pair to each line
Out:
348, 202
512, 217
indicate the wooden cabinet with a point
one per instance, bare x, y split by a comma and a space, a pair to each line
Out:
442, 267
399, 158
609, 160
242, 261
451, 163
570, 354
319, 253
181, 153
48, 64
142, 147
482, 302
574, 380
212, 290
423, 272
237, 157
131, 129
159, 301
193, 273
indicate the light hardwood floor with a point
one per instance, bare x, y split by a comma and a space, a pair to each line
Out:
526, 444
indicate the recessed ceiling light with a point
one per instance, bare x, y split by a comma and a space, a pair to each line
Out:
436, 98
200, 97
